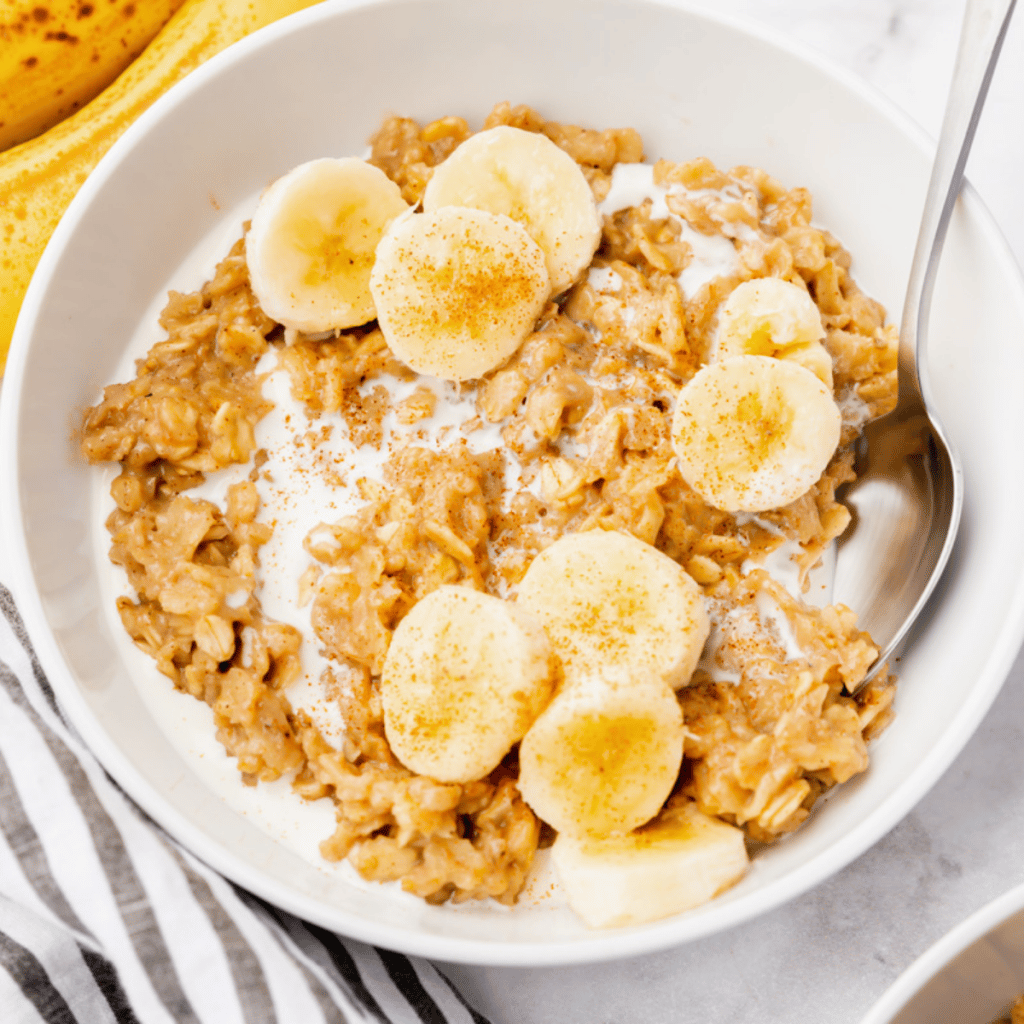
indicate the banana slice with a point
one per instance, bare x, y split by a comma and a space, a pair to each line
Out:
525, 176
772, 317
680, 860
754, 433
606, 598
457, 290
311, 243
465, 676
815, 358
603, 756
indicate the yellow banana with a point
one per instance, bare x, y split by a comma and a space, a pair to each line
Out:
39, 178
57, 55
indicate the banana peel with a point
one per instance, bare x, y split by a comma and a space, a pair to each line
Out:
56, 55
39, 178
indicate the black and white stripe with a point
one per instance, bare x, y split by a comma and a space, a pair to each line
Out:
106, 920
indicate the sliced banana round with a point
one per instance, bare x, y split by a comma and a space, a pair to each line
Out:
754, 433
311, 243
525, 176
603, 756
772, 317
457, 290
814, 357
465, 676
680, 860
606, 598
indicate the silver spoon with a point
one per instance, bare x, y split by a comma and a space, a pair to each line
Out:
909, 493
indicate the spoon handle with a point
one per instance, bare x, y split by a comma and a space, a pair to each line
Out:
981, 38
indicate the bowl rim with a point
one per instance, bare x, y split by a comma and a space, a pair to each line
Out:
934, 960
594, 947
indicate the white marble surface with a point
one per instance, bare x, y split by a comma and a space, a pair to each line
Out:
826, 957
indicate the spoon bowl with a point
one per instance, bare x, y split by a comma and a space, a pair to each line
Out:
906, 505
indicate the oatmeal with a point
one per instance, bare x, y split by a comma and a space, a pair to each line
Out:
462, 483
1016, 1013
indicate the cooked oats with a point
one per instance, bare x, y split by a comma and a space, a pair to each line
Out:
583, 410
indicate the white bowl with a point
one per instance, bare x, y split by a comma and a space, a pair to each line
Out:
318, 84
971, 975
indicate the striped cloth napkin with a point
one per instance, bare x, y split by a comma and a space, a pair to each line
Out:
104, 918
